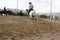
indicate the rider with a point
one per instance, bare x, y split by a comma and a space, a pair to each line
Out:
30, 7
5, 12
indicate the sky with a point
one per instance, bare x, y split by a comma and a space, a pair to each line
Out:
40, 6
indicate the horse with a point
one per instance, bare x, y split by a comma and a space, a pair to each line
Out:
3, 13
32, 15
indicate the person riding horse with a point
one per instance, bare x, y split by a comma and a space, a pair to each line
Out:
5, 12
30, 7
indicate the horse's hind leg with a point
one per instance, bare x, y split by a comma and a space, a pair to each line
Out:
33, 20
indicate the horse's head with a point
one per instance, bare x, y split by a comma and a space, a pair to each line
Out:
27, 10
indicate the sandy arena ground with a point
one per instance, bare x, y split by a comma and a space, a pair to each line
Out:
22, 28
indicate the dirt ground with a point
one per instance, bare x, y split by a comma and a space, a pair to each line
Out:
23, 28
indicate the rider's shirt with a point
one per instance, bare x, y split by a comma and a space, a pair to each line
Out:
30, 6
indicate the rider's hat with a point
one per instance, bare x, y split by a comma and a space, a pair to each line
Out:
30, 2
